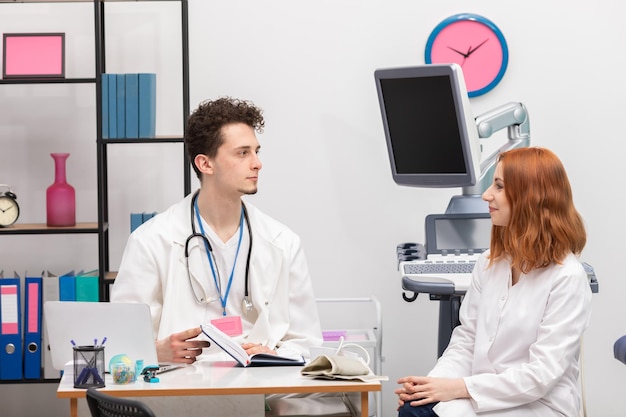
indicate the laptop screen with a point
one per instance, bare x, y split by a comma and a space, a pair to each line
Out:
457, 232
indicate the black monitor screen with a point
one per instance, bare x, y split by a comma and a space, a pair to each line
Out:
422, 122
431, 135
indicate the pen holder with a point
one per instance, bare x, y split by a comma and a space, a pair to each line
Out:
88, 366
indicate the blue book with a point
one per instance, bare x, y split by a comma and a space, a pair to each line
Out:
105, 106
121, 105
131, 106
147, 216
112, 106
147, 105
135, 221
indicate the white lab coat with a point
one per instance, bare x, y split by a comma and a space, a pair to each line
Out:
517, 347
153, 271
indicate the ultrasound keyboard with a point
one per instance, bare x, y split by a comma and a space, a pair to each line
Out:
441, 269
425, 267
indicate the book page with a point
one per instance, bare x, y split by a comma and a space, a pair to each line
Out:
228, 345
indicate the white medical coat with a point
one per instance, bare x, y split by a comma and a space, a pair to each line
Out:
153, 271
517, 347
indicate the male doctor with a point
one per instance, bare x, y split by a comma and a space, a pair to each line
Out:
214, 258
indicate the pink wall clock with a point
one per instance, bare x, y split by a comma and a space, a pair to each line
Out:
476, 44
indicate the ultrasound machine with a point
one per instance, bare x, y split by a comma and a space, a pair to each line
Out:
433, 141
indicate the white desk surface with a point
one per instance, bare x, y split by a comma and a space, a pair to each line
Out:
221, 378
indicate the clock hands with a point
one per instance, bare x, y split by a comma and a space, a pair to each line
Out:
470, 50
7, 209
458, 52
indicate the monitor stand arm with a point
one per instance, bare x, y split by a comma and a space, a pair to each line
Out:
512, 116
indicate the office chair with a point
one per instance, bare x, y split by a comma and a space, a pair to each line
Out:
104, 405
619, 349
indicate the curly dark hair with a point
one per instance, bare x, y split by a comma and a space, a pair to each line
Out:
203, 133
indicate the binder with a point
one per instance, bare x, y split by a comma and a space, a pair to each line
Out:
32, 327
67, 287
50, 288
50, 291
10, 329
105, 105
113, 106
121, 106
131, 105
87, 285
147, 105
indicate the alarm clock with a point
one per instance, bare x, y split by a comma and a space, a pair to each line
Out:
476, 44
9, 209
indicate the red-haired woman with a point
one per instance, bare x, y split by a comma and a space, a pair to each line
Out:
516, 350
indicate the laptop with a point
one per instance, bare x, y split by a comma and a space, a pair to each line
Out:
127, 328
453, 244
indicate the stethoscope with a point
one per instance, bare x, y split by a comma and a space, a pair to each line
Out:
246, 302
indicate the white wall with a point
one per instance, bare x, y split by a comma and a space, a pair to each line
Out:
310, 66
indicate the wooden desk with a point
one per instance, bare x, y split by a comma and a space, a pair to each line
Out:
222, 378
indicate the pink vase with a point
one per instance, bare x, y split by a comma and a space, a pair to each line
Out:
60, 196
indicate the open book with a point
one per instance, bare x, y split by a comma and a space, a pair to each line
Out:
239, 354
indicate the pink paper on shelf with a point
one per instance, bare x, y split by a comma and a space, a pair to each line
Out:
331, 336
34, 55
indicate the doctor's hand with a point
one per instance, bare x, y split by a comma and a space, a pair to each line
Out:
420, 390
178, 348
252, 348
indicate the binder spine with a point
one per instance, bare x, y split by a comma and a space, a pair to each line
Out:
112, 100
10, 332
50, 291
131, 105
32, 328
67, 288
147, 105
121, 105
105, 105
